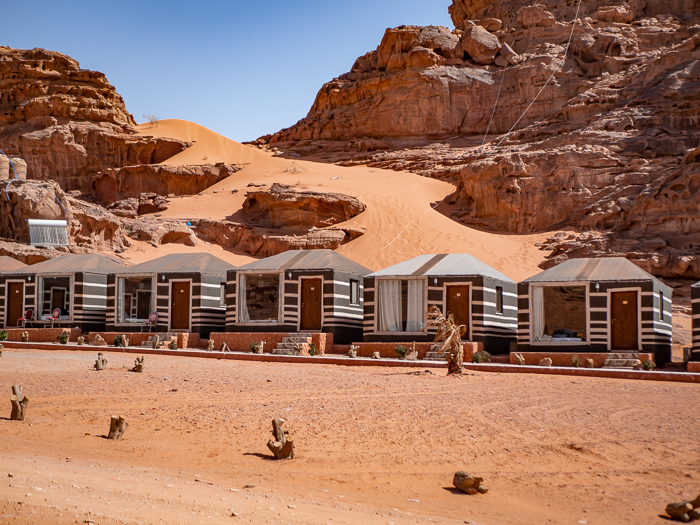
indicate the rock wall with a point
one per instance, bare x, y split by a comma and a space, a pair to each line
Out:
604, 146
68, 123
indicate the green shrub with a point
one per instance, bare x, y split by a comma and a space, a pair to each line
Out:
312, 349
482, 356
117, 341
173, 344
401, 351
3, 335
648, 365
254, 346
63, 337
576, 361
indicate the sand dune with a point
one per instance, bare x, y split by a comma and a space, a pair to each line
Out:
400, 220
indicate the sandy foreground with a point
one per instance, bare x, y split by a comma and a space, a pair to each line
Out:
374, 445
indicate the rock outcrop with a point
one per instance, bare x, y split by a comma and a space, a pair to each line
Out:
141, 205
285, 206
157, 232
131, 181
604, 112
68, 123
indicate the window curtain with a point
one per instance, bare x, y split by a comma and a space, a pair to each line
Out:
243, 316
415, 315
389, 294
537, 313
40, 299
120, 299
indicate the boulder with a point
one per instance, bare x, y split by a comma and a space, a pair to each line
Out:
157, 232
546, 361
144, 204
98, 340
490, 24
535, 16
480, 45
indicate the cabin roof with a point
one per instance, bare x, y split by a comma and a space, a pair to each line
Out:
599, 269
70, 263
436, 265
204, 263
307, 260
8, 264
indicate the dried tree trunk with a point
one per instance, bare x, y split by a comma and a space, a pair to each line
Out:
117, 427
101, 362
283, 446
455, 360
19, 403
138, 365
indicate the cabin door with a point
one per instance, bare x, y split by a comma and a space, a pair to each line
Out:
458, 304
180, 306
58, 299
624, 326
311, 304
15, 303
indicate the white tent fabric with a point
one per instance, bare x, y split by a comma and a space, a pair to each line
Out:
415, 316
537, 312
389, 295
243, 316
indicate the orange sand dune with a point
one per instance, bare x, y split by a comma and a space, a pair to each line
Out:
399, 219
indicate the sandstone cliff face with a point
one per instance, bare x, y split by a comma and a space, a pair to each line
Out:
68, 123
602, 147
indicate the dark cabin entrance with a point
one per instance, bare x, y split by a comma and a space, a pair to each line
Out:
624, 327
58, 299
458, 304
311, 304
180, 306
15, 303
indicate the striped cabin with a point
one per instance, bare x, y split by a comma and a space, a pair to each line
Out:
297, 290
75, 284
595, 305
695, 299
187, 291
480, 297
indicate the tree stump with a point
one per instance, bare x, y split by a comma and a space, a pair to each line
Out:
545, 361
225, 348
210, 345
125, 341
519, 359
19, 403
101, 362
117, 427
685, 510
376, 355
25, 337
283, 446
81, 340
589, 363
138, 365
468, 484
413, 354
353, 351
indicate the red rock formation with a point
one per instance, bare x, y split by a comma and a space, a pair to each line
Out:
68, 123
601, 146
131, 181
157, 232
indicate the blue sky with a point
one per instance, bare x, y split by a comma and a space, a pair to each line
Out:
241, 68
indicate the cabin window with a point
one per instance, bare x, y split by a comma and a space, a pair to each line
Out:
52, 293
401, 305
135, 299
558, 314
354, 292
259, 298
499, 299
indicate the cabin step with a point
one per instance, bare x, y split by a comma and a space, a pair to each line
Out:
297, 340
434, 356
621, 363
623, 355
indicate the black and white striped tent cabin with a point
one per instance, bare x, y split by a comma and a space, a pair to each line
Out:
8, 264
479, 296
298, 290
76, 284
595, 305
695, 299
187, 291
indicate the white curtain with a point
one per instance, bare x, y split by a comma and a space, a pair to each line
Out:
39, 299
389, 295
537, 313
120, 299
243, 316
415, 315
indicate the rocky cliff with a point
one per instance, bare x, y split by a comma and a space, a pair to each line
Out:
602, 99
68, 123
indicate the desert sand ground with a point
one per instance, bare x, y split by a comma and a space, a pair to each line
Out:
400, 220
374, 445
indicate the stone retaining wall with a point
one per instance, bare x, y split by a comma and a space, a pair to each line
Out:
564, 358
240, 341
386, 350
42, 335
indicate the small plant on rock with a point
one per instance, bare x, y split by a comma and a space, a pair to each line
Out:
173, 344
482, 356
648, 365
401, 351
3, 335
63, 338
576, 361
